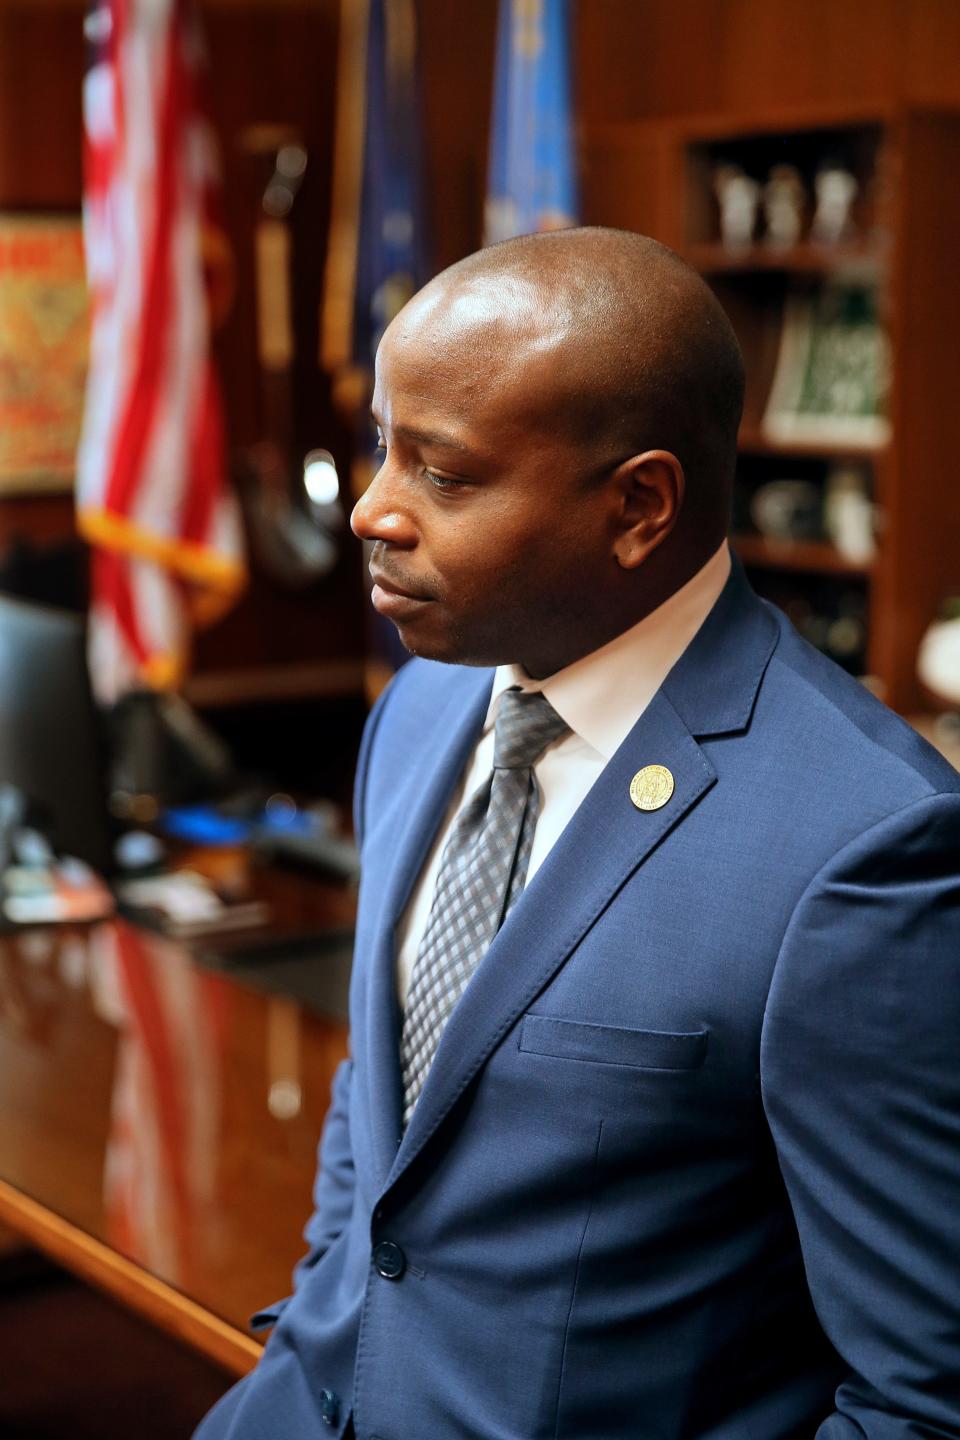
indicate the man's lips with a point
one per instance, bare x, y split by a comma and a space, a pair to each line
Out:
393, 588
389, 598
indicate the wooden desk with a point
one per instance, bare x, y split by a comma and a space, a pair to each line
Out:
159, 1123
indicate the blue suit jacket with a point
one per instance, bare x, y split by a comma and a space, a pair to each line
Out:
687, 1164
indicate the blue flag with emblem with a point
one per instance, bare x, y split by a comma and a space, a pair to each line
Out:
376, 258
532, 182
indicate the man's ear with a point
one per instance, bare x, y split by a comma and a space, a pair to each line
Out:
651, 488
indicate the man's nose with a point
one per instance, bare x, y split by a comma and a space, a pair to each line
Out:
378, 515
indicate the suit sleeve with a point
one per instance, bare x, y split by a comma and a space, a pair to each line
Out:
334, 1183
333, 1186
860, 1068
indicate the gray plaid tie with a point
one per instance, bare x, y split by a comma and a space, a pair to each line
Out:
482, 874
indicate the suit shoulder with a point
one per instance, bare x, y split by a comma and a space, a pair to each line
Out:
842, 717
422, 684
421, 693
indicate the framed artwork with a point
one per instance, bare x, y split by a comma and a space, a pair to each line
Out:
44, 323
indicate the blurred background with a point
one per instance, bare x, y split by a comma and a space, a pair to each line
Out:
208, 213
665, 96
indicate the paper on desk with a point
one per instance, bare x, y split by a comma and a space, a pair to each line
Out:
67, 890
188, 904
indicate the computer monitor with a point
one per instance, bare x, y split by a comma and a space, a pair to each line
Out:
51, 745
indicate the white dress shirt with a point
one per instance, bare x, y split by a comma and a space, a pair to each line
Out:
601, 697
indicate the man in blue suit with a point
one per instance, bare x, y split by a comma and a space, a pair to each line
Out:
651, 1129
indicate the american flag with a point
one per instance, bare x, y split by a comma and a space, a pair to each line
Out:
172, 1021
151, 493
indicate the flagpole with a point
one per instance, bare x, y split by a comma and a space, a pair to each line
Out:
340, 276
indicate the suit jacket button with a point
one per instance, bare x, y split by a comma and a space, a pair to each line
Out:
389, 1260
329, 1407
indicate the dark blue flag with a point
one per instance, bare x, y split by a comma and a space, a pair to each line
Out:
390, 260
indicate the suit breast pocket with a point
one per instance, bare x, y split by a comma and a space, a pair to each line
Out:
613, 1044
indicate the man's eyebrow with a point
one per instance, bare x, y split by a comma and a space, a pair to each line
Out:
427, 437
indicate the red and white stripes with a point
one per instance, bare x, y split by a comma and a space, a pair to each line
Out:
151, 492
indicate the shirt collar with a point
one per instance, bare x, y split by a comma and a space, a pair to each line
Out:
602, 695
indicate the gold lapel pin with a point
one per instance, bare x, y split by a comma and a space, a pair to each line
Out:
651, 787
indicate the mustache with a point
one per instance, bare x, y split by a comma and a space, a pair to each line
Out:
424, 587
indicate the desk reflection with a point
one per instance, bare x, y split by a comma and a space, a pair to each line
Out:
167, 1112
159, 1184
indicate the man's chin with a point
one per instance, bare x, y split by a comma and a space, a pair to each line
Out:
445, 649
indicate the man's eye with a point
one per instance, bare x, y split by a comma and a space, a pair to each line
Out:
442, 482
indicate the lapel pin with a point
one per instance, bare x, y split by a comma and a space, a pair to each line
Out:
651, 787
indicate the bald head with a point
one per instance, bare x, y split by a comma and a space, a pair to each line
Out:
631, 349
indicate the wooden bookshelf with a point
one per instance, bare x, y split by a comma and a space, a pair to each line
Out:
658, 177
848, 261
753, 441
812, 557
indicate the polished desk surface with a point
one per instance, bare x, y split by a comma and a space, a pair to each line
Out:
159, 1120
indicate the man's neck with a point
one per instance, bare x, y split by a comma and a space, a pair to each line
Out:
643, 606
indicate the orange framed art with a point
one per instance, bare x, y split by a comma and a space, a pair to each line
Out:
44, 325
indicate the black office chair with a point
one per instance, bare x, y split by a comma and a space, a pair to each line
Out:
51, 744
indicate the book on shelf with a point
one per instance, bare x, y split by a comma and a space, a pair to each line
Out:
832, 372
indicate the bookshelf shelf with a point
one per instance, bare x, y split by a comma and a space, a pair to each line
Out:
893, 274
812, 557
754, 441
842, 261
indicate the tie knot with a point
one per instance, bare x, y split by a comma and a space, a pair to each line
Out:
526, 724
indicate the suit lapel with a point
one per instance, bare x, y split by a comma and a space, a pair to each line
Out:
422, 806
603, 844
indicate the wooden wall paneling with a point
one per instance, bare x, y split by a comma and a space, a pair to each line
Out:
637, 58
41, 518
41, 66
780, 52
931, 58
922, 497
457, 45
628, 174
645, 58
